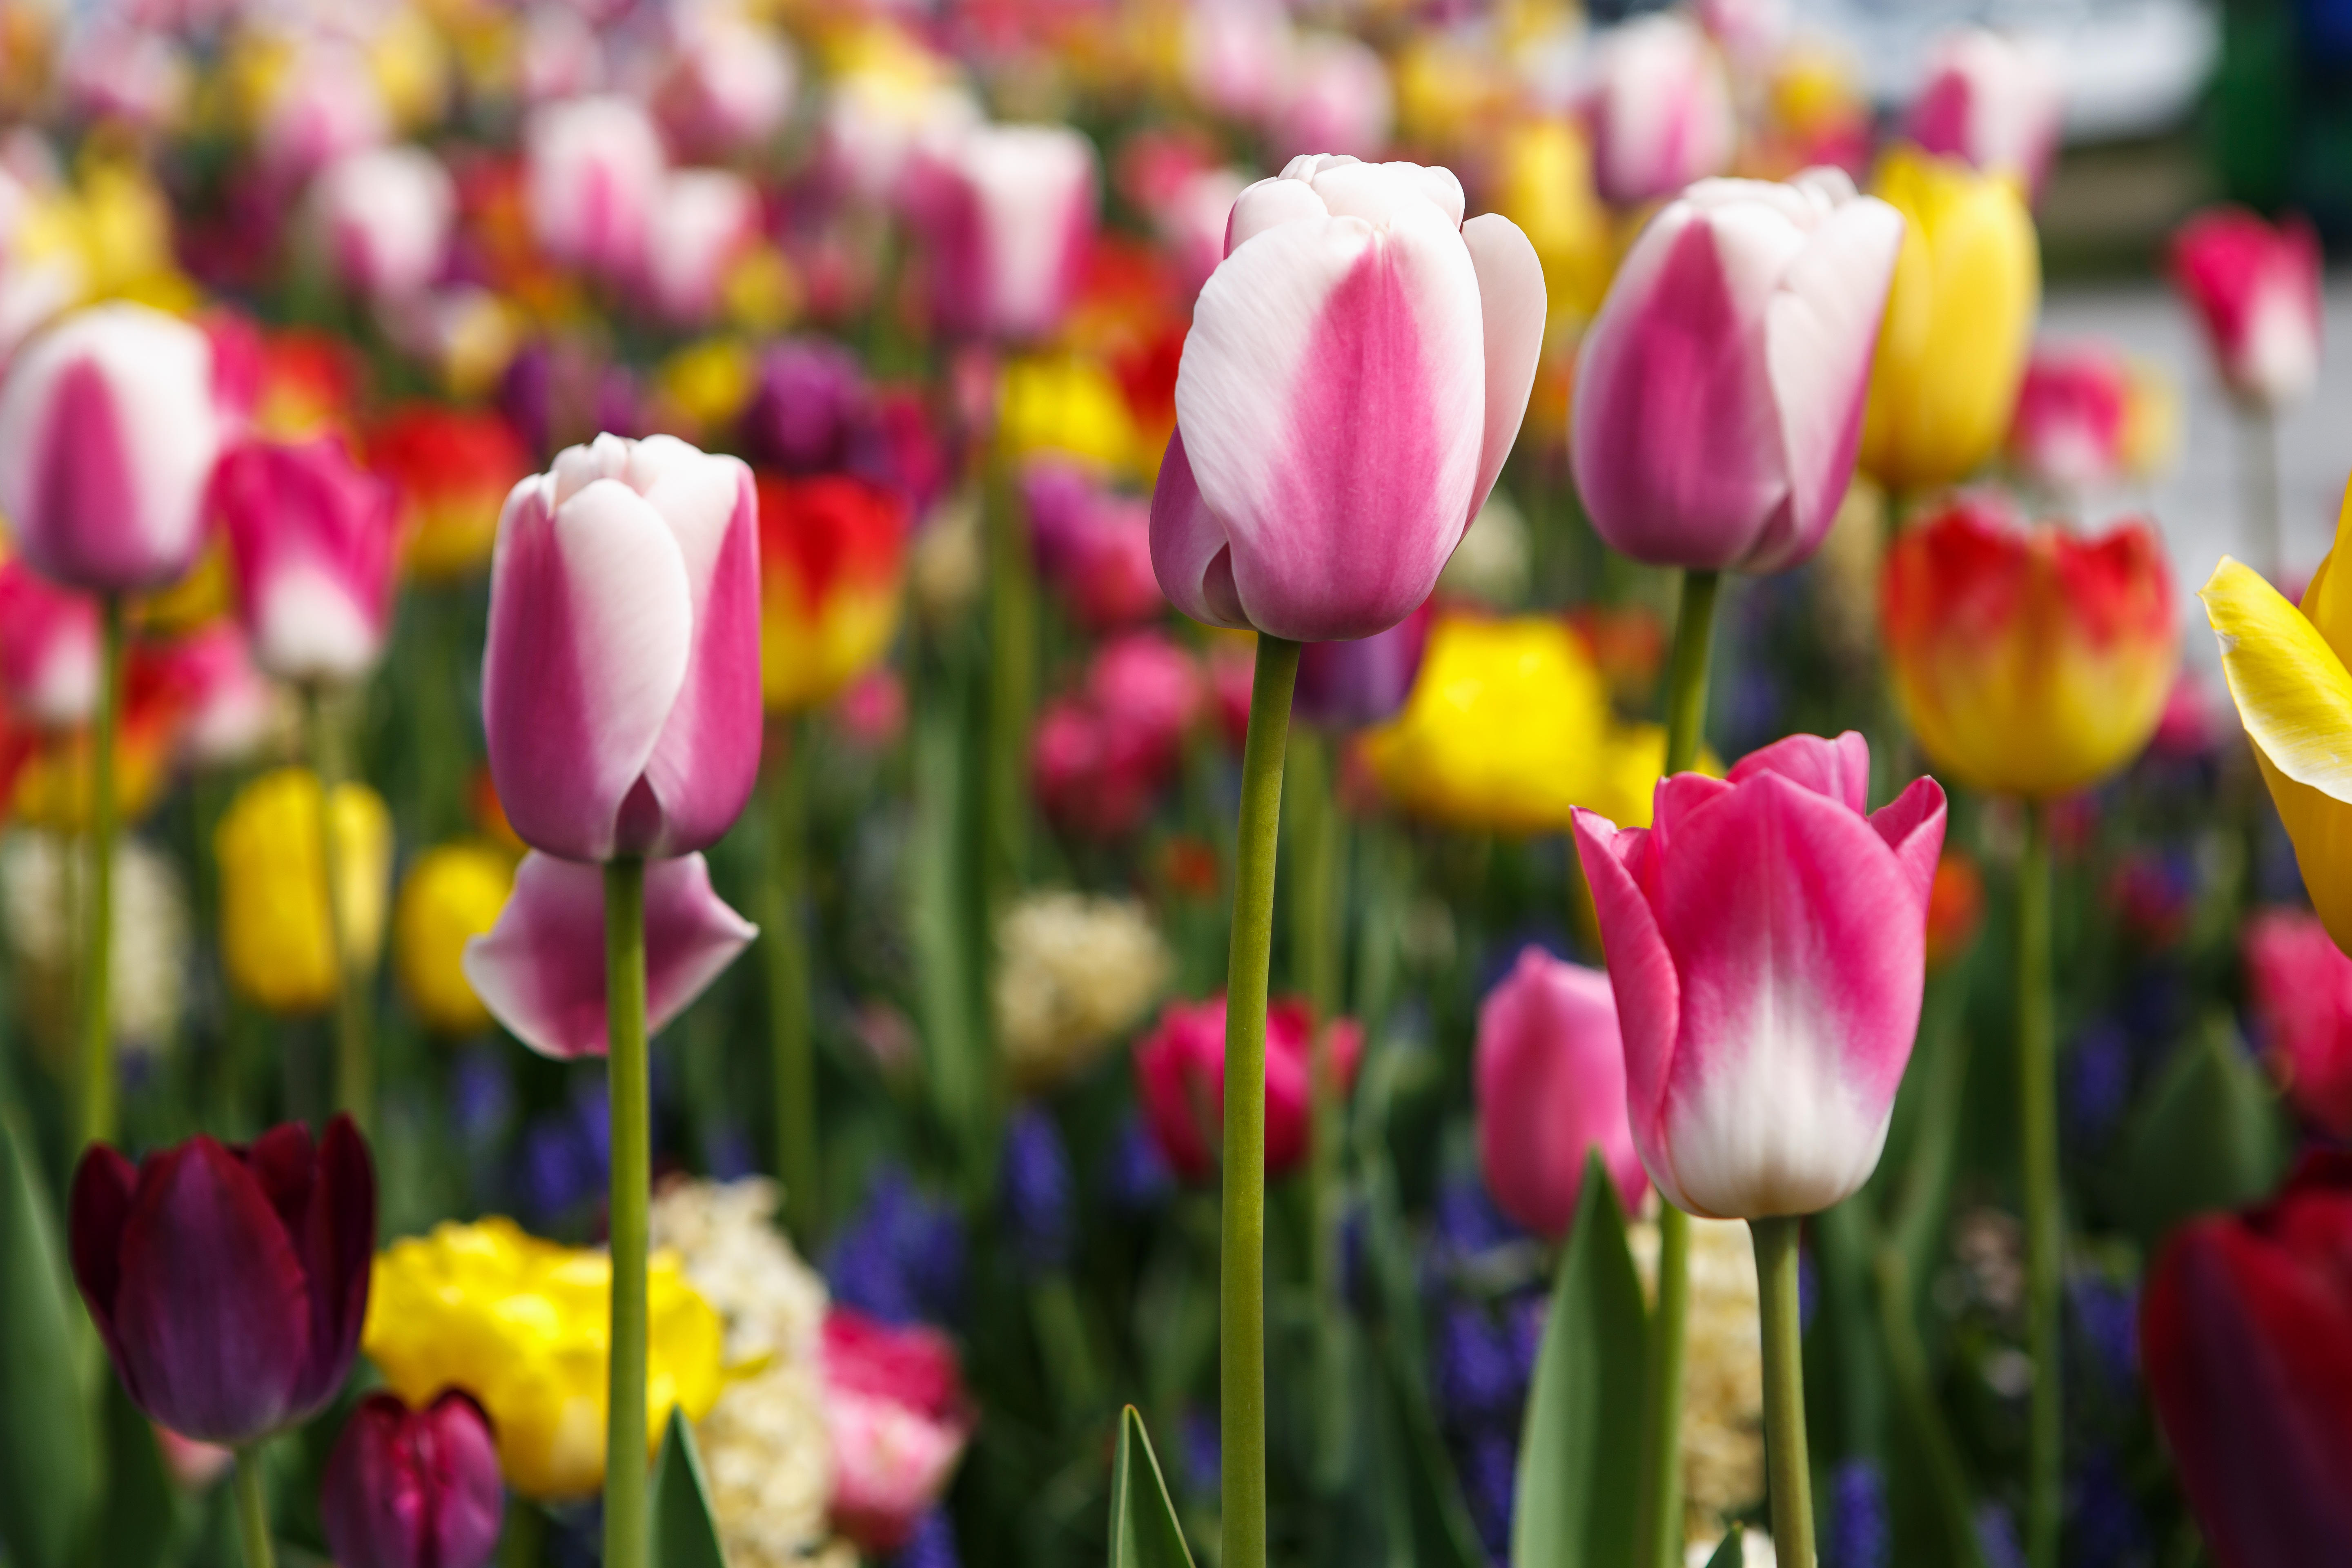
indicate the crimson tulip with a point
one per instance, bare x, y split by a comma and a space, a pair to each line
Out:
1179, 1074
413, 1489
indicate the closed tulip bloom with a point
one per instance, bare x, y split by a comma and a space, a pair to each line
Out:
833, 553
1007, 216
1550, 1078
730, 83
383, 216
2246, 1333
1335, 97
1766, 941
2256, 289
1993, 101
1719, 392
108, 432
2072, 425
452, 467
704, 220
813, 409
2028, 660
2301, 989
276, 938
450, 896
897, 1418
48, 649
593, 171
1958, 321
621, 682
229, 708
228, 1283
1093, 544
413, 1489
1355, 375
1180, 1076
1660, 110
1349, 685
311, 539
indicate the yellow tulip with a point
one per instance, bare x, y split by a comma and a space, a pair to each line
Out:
452, 894
709, 382
2286, 672
274, 931
1067, 403
1959, 319
1546, 190
524, 1326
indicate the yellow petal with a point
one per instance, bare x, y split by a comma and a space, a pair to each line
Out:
2321, 830
2290, 689
2327, 602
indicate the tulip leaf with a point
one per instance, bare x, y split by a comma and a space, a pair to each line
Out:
684, 1528
2208, 1134
1144, 1532
1731, 1550
46, 1440
137, 1526
1578, 1481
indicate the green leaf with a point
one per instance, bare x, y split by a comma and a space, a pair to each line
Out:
2208, 1134
684, 1531
141, 1519
46, 1441
1731, 1552
1578, 1451
1144, 1532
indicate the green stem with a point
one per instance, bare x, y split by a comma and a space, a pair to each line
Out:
1687, 677
1241, 1315
1013, 681
354, 1056
2037, 1084
788, 986
253, 1509
524, 1541
1317, 907
97, 983
625, 1540
1789, 1470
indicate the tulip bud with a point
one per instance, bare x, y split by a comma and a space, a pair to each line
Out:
310, 538
453, 468
277, 943
1180, 1075
48, 649
1093, 544
832, 550
1719, 392
897, 1416
1660, 110
413, 1489
2256, 291
1760, 1071
704, 220
228, 708
812, 407
594, 169
452, 894
383, 216
1007, 215
1993, 103
1551, 1085
2073, 424
1355, 376
107, 433
323, 104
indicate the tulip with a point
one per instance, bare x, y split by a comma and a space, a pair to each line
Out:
2256, 289
2074, 426
1720, 390
2028, 661
1093, 544
832, 552
276, 936
1990, 101
323, 104
1007, 216
897, 1418
811, 409
413, 1489
310, 538
730, 83
1237, 57
1180, 1076
1660, 110
228, 708
1547, 189
594, 169
1767, 942
1338, 100
1350, 685
1959, 321
620, 685
2301, 990
48, 649
453, 468
1354, 378
384, 216
1551, 1085
451, 895
1190, 223
704, 220
2245, 1328
108, 432
229, 1282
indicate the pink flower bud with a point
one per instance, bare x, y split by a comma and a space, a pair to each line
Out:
2073, 417
1007, 216
413, 1489
1660, 110
897, 1413
1180, 1075
310, 537
2302, 990
2256, 290
1551, 1086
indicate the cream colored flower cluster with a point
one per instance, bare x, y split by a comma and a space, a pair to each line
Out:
41, 876
1723, 1371
1073, 972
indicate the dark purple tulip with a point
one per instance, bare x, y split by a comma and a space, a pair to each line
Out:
229, 1283
811, 409
1348, 685
413, 1489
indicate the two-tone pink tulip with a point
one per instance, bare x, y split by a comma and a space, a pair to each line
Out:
311, 539
382, 217
1007, 216
1991, 100
730, 83
1550, 1078
1766, 944
1659, 109
593, 172
704, 220
48, 649
2255, 288
1355, 375
1719, 393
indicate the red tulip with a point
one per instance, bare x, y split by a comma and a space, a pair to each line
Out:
1179, 1070
229, 1282
413, 1489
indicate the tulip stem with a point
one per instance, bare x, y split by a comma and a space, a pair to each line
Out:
253, 1509
98, 1112
1790, 1470
1686, 677
625, 1540
1319, 866
354, 1062
2258, 438
788, 984
2038, 1127
1241, 1315
1013, 680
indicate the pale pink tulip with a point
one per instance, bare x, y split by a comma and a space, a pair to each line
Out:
1236, 54
874, 124
730, 83
108, 431
325, 106
48, 648
1767, 942
1659, 108
897, 1418
1355, 375
2256, 290
1007, 216
1551, 1087
310, 541
703, 222
382, 217
593, 172
1338, 100
1991, 100
1719, 392
1190, 223
621, 683
541, 969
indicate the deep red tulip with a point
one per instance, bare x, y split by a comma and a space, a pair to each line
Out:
413, 1489
229, 1282
1180, 1075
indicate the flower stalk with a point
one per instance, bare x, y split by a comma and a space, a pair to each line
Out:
253, 1509
2037, 1078
354, 1054
1788, 1469
625, 1539
98, 1088
793, 1061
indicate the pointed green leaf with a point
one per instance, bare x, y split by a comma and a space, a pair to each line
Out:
46, 1437
678, 1514
1580, 1452
1143, 1528
2208, 1134
1731, 1552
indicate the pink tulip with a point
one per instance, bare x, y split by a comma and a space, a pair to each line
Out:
107, 433
2256, 288
1993, 101
1355, 375
621, 683
48, 648
1237, 55
897, 1416
1660, 110
1007, 215
703, 222
227, 707
594, 169
326, 106
1191, 222
730, 83
384, 216
1719, 392
541, 968
2302, 993
1180, 1075
1145, 682
1338, 100
2072, 423
311, 543
1551, 1086
1767, 942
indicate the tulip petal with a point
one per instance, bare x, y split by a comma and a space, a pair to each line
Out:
2290, 687
337, 1240
1190, 553
1641, 975
104, 1187
2320, 827
1912, 827
1267, 205
1511, 305
1839, 769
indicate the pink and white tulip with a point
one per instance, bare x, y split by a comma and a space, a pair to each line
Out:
1719, 393
383, 217
228, 706
310, 544
1338, 100
326, 106
621, 683
2071, 426
2256, 290
1007, 216
48, 648
1767, 942
1659, 109
1551, 1087
108, 429
1993, 101
898, 1419
541, 968
730, 83
1355, 375
703, 223
593, 172
1191, 222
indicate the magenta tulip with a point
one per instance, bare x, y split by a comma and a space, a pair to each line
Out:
229, 1282
1990, 100
1007, 216
897, 1417
1355, 375
1719, 392
541, 968
594, 169
48, 648
227, 707
1180, 1076
311, 543
413, 1489
731, 82
382, 217
107, 433
2256, 290
1767, 942
1660, 110
621, 683
2300, 986
1551, 1087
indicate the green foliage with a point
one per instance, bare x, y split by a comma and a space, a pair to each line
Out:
1144, 1531
2208, 1134
678, 1515
47, 1448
